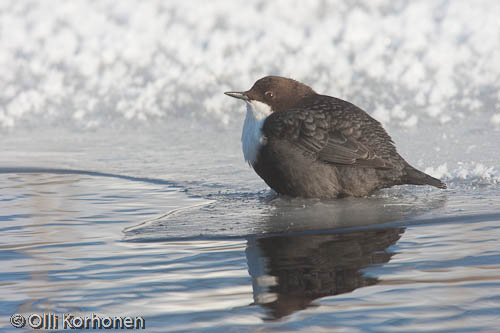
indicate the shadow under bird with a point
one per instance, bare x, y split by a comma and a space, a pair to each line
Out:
304, 144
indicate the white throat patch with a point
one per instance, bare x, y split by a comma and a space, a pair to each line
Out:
252, 137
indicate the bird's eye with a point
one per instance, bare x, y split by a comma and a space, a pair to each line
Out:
269, 94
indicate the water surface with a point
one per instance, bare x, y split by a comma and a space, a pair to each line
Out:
197, 255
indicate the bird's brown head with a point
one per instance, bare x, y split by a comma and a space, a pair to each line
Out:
279, 93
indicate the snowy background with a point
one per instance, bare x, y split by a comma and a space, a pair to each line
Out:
428, 70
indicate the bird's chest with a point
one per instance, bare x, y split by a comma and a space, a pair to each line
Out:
252, 137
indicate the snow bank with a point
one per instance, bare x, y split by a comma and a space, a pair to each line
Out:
88, 63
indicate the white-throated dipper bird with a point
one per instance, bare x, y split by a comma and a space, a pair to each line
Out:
304, 144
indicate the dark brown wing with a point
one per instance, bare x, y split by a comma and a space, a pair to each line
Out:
336, 132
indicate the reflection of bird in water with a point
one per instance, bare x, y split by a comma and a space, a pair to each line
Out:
289, 272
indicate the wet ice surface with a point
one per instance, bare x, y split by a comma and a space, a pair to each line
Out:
123, 189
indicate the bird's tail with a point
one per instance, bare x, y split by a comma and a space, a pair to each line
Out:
416, 177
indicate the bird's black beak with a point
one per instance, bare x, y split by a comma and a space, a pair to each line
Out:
239, 95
